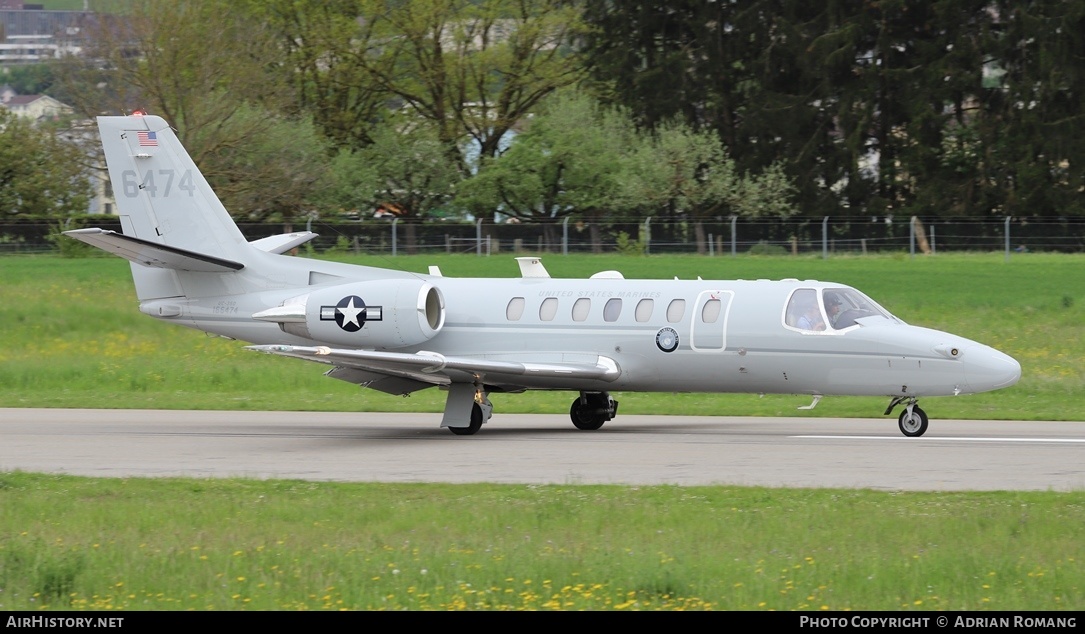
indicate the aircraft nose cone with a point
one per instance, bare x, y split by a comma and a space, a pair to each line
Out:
989, 369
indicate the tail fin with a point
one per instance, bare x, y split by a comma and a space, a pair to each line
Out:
171, 218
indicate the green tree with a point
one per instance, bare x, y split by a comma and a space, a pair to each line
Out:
740, 70
684, 172
568, 160
473, 69
41, 175
29, 79
1031, 126
277, 174
327, 46
405, 167
215, 71
948, 107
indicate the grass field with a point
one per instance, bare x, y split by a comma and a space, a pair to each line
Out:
73, 337
140, 544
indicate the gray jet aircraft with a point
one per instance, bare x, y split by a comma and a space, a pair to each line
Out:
399, 332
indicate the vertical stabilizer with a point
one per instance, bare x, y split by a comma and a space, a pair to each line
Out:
162, 198
161, 194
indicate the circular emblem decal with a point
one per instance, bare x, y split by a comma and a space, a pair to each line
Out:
350, 313
667, 339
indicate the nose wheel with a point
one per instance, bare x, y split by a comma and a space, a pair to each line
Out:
912, 421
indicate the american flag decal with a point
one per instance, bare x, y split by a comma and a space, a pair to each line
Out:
148, 139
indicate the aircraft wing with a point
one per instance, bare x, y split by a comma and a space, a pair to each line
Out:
402, 373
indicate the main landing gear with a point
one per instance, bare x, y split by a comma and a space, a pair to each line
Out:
477, 418
913, 420
588, 412
591, 409
466, 402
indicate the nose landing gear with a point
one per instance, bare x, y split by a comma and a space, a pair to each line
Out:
913, 420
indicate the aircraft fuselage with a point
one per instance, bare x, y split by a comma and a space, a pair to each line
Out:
746, 346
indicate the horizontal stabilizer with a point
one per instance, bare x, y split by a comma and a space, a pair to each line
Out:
152, 254
282, 243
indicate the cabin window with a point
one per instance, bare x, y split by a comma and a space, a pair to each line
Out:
548, 309
515, 310
803, 311
710, 312
581, 308
676, 310
644, 309
612, 309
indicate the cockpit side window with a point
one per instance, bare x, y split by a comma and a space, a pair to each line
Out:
803, 311
845, 306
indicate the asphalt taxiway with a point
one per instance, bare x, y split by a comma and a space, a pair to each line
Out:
537, 449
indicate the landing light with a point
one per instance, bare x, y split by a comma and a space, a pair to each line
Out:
950, 352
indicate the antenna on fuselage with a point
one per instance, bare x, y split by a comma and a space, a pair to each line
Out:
532, 267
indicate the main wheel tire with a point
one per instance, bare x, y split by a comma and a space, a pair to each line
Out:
585, 418
476, 423
913, 425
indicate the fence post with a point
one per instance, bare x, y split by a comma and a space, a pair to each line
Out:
825, 238
478, 237
1008, 238
394, 221
565, 236
647, 235
734, 246
911, 237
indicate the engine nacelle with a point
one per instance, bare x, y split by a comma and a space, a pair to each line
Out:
378, 314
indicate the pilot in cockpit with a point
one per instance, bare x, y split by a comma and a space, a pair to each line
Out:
833, 308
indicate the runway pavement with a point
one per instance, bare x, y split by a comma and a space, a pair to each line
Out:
512, 448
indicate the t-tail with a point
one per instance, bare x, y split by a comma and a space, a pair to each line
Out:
172, 221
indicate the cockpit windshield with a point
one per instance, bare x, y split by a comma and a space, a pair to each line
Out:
829, 309
845, 306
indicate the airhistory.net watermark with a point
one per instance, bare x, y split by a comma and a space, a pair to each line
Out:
64, 621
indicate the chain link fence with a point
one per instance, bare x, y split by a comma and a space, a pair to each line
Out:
723, 236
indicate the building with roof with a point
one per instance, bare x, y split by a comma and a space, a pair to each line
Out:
35, 107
